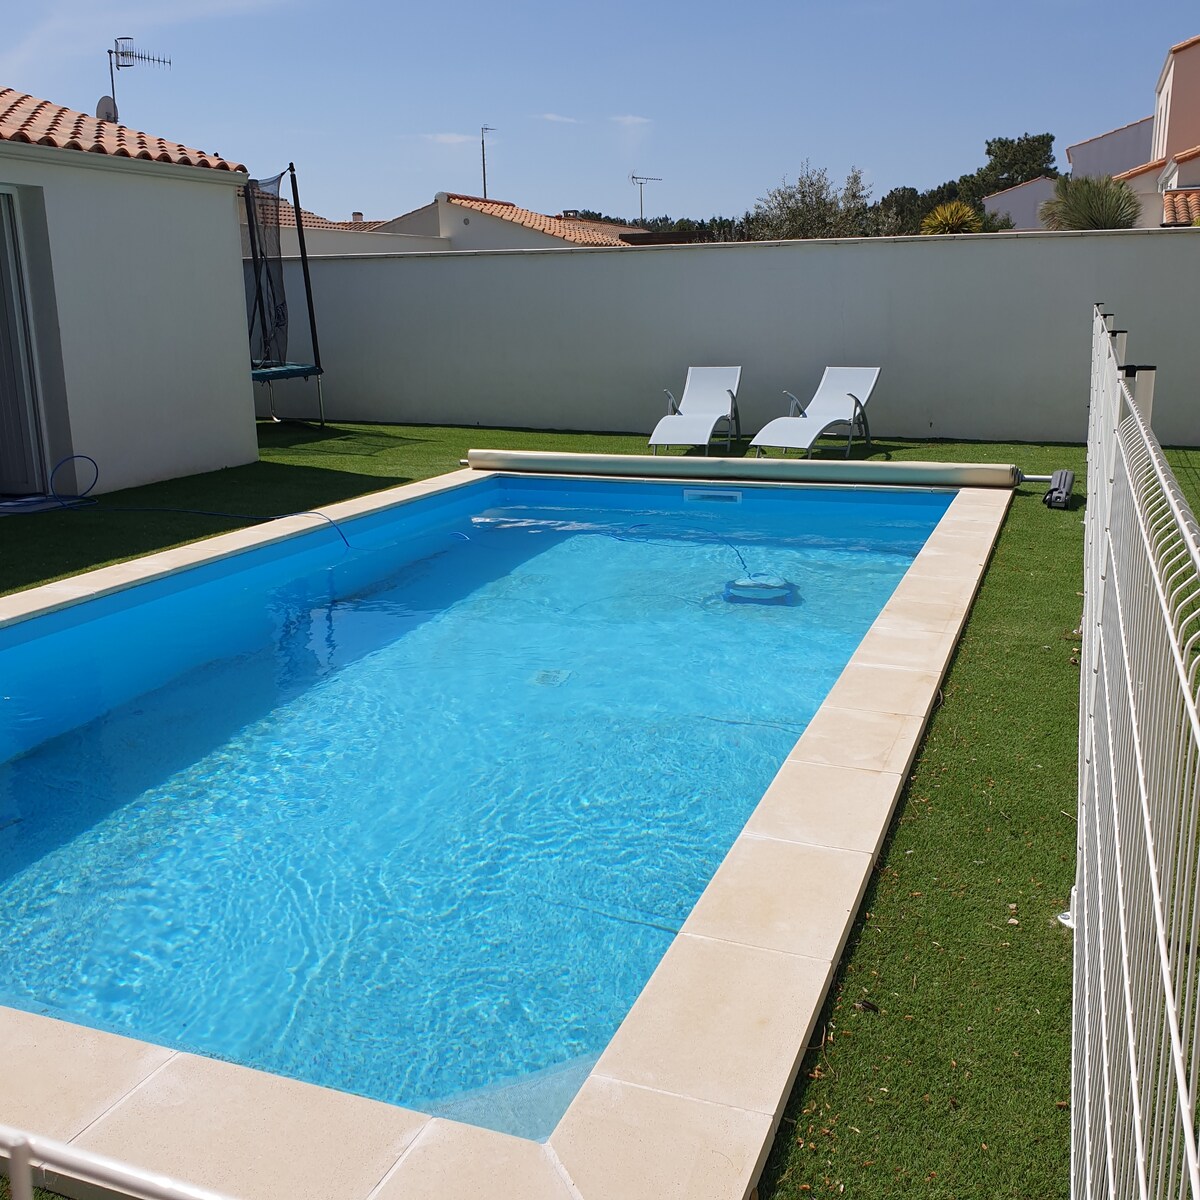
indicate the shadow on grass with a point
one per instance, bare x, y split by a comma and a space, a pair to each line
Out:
358, 441
42, 546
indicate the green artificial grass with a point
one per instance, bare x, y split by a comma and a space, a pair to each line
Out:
940, 1065
38, 1193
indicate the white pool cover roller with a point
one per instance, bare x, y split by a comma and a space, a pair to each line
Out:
776, 470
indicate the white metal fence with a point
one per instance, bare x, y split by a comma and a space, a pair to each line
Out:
24, 1150
1136, 907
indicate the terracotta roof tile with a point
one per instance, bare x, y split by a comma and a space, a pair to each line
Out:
570, 229
287, 217
1182, 207
1184, 45
1156, 165
25, 118
1186, 155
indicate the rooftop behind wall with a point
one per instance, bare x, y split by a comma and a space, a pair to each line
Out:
983, 336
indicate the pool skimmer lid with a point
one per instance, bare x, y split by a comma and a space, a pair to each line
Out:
761, 589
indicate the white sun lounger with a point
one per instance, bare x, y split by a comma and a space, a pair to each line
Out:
709, 397
840, 399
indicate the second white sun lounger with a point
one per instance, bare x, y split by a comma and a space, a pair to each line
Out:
709, 397
840, 400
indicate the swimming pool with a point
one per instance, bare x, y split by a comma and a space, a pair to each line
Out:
315, 872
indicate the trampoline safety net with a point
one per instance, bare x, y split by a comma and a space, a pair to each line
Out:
266, 303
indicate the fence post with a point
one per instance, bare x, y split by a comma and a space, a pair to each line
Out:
20, 1171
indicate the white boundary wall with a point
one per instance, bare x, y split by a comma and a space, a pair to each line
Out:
980, 336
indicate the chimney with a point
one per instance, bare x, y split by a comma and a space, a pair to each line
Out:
356, 216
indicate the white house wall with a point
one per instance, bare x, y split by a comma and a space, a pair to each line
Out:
1115, 152
469, 229
1021, 202
982, 337
147, 273
1145, 186
356, 241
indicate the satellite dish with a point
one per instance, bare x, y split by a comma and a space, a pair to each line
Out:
106, 109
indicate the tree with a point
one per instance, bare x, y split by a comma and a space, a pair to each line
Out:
813, 207
1091, 202
1010, 161
955, 216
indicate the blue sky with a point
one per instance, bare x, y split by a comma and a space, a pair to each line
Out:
380, 105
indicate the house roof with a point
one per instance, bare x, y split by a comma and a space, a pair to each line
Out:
287, 217
25, 118
1156, 165
1184, 45
1017, 186
1181, 207
1186, 155
570, 229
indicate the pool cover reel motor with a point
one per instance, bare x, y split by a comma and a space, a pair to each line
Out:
1059, 495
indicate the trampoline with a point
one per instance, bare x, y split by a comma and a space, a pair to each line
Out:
266, 297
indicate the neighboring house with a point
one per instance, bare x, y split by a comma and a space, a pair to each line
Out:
1113, 152
472, 223
356, 236
1158, 156
122, 305
1021, 202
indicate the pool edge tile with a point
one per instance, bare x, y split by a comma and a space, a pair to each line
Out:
60, 1078
622, 1142
845, 808
253, 1135
717, 1022
452, 1161
792, 897
104, 581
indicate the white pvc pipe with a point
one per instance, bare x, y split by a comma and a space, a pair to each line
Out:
22, 1148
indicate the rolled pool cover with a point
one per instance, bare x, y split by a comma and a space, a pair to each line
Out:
777, 470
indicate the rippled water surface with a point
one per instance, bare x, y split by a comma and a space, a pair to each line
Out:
426, 835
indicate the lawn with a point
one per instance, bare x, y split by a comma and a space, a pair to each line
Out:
940, 1066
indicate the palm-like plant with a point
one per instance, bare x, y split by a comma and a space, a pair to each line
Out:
955, 216
1090, 202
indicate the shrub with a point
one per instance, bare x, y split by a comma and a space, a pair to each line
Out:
1091, 202
955, 216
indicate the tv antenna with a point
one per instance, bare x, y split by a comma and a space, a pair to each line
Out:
641, 181
484, 130
123, 55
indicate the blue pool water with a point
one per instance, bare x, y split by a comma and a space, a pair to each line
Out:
417, 818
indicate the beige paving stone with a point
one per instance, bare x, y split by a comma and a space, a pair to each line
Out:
787, 896
57, 1078
252, 1135
451, 1161
936, 616
885, 689
721, 1022
891, 643
870, 741
827, 806
106, 580
619, 1142
950, 562
955, 593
